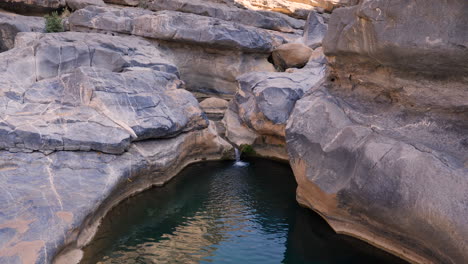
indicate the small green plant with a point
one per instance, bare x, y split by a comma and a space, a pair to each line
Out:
247, 149
53, 23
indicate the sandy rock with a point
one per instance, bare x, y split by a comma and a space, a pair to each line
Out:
291, 55
176, 27
214, 107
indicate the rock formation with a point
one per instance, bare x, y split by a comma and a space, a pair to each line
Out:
379, 150
372, 117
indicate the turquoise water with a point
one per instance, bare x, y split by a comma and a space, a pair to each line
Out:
215, 212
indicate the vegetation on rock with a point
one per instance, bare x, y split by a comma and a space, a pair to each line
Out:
53, 23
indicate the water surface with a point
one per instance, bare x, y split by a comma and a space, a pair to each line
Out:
215, 212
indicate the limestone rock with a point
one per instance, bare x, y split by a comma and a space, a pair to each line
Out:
262, 19
176, 27
370, 182
214, 107
392, 51
291, 55
76, 91
11, 24
79, 4
53, 203
236, 132
32, 7
314, 30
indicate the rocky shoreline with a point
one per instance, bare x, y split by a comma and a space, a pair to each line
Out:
372, 116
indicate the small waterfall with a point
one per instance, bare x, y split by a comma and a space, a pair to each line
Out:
238, 162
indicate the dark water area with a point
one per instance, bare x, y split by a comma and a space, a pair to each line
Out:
215, 212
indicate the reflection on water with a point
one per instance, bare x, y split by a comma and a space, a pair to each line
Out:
219, 213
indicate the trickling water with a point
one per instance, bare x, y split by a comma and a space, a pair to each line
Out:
216, 213
239, 162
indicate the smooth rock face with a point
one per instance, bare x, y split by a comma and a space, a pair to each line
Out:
397, 194
93, 92
379, 149
11, 24
32, 6
291, 55
176, 27
57, 200
392, 51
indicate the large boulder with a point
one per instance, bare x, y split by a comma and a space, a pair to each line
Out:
79, 4
76, 91
291, 55
314, 30
11, 24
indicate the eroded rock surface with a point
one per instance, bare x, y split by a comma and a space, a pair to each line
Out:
379, 150
76, 91
54, 202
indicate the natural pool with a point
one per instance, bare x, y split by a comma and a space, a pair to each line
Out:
215, 212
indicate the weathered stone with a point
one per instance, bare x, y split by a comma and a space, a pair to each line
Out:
34, 7
93, 92
236, 132
127, 2
176, 27
214, 107
52, 204
291, 55
265, 100
79, 4
382, 50
375, 176
314, 30
11, 24
266, 20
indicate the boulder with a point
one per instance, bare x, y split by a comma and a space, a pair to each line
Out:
265, 100
32, 7
90, 92
11, 24
79, 4
214, 107
52, 204
176, 27
291, 55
